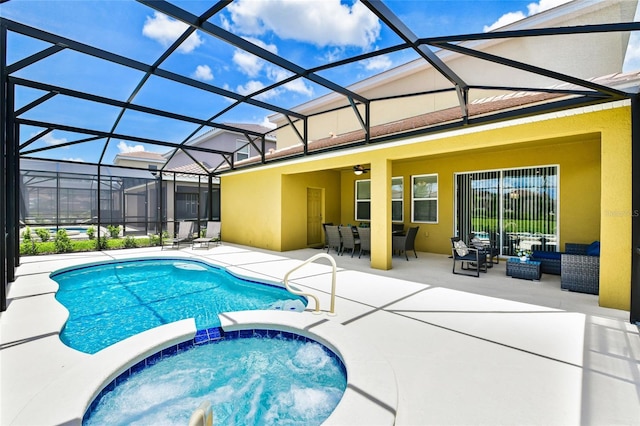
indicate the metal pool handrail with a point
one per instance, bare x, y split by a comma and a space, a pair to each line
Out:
333, 282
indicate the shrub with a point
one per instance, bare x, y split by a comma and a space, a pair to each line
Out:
130, 242
43, 234
84, 245
155, 240
26, 234
62, 242
91, 232
101, 242
114, 231
28, 247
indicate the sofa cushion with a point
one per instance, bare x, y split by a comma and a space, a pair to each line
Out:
594, 249
546, 254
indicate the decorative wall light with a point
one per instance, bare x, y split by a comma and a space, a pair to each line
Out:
358, 170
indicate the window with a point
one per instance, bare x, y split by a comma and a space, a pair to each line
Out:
424, 198
242, 150
397, 199
363, 199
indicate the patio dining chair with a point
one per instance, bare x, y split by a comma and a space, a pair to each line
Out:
365, 240
349, 240
404, 243
211, 235
332, 237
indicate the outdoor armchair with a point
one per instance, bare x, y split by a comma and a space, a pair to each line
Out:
475, 259
489, 246
580, 266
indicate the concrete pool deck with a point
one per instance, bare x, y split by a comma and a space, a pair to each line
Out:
464, 350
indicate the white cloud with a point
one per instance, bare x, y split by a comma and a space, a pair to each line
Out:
299, 86
632, 58
166, 30
250, 64
266, 123
250, 87
125, 148
505, 19
532, 9
379, 63
77, 159
203, 72
49, 139
323, 23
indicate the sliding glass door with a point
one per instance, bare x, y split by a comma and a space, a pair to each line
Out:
512, 209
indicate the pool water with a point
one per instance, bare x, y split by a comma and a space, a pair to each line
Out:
248, 381
109, 302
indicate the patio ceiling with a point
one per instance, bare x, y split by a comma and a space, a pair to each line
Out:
40, 81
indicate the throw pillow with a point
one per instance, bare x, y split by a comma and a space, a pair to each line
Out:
461, 248
477, 243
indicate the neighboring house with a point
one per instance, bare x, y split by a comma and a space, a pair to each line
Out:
243, 145
192, 199
537, 180
140, 160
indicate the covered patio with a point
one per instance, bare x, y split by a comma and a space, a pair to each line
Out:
462, 350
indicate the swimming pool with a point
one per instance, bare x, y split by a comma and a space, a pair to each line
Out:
111, 301
250, 377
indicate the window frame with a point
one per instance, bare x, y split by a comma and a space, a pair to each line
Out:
415, 199
242, 148
364, 200
400, 200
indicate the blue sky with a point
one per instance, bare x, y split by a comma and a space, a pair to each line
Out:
286, 27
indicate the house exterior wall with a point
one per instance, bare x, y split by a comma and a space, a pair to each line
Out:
591, 147
584, 56
222, 141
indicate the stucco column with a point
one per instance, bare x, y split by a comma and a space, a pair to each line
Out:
381, 214
616, 215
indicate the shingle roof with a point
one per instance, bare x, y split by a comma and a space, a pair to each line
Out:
477, 108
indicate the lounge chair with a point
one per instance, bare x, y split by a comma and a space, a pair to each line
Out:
184, 235
404, 243
212, 235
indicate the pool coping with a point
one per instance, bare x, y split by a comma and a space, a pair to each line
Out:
371, 396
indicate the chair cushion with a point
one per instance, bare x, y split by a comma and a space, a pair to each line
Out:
477, 243
594, 249
461, 248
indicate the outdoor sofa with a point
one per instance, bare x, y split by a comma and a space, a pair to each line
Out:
578, 266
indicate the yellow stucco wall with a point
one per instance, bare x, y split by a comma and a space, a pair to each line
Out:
579, 163
592, 150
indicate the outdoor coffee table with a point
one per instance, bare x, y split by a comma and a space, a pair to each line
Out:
526, 270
